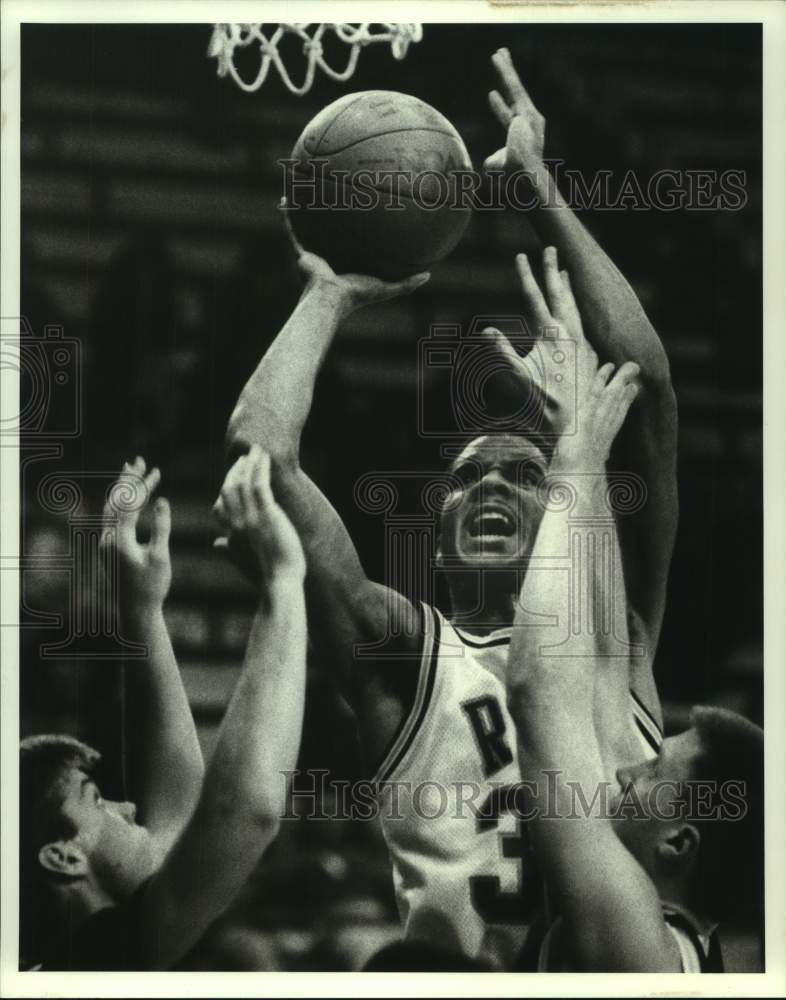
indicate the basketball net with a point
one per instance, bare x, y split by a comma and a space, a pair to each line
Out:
228, 37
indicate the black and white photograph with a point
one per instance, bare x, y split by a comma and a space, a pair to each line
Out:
388, 543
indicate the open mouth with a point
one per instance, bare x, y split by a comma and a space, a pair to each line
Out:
491, 522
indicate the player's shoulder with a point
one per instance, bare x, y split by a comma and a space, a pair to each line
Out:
387, 641
400, 701
393, 677
459, 691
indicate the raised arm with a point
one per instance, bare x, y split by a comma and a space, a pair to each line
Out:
245, 787
163, 748
610, 910
619, 330
345, 608
560, 390
275, 403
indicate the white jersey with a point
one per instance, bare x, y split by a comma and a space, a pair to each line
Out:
459, 847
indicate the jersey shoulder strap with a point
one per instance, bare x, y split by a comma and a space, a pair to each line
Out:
413, 720
697, 954
647, 724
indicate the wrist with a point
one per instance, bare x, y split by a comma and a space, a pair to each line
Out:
284, 584
539, 176
573, 456
523, 158
330, 294
142, 614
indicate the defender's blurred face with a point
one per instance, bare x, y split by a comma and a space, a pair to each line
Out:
658, 786
492, 517
118, 850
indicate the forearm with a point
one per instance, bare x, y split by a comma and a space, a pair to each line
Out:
168, 765
616, 325
555, 711
554, 624
569, 670
260, 735
274, 405
620, 331
615, 321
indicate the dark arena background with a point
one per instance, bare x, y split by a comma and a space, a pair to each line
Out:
151, 235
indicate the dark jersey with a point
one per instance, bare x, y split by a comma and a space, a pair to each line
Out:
110, 940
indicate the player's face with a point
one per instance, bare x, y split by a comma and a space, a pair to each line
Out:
492, 517
119, 851
657, 786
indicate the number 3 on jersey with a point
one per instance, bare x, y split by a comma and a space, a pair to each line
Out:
493, 904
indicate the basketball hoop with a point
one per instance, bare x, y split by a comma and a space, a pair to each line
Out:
228, 37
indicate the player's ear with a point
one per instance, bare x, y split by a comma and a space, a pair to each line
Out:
64, 857
679, 843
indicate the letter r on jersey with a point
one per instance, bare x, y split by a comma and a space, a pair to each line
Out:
488, 726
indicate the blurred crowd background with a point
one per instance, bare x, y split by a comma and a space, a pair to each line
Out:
151, 235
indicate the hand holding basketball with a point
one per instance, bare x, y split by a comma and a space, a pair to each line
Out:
374, 185
525, 125
350, 291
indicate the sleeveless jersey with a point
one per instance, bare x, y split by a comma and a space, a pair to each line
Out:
459, 847
698, 952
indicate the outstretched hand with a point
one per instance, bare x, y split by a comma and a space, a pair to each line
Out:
351, 291
144, 570
600, 413
560, 372
524, 124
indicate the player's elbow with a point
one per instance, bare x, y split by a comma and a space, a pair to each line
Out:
238, 439
245, 430
658, 403
264, 801
265, 824
262, 820
252, 423
656, 370
245, 808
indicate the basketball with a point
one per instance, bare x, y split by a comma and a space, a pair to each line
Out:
374, 186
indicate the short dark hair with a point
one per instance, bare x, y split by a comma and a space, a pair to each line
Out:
730, 874
44, 764
543, 442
